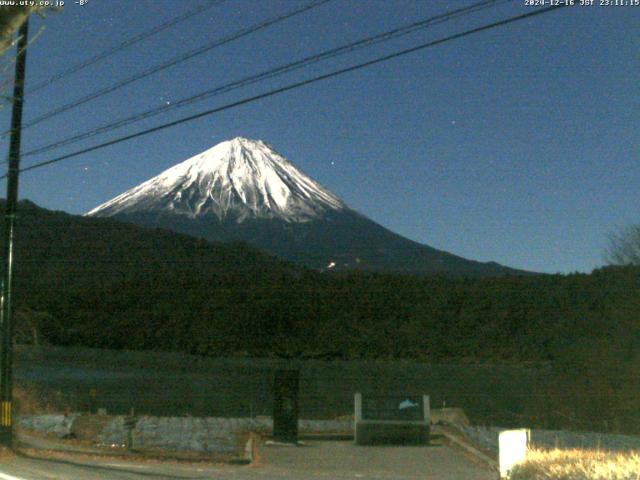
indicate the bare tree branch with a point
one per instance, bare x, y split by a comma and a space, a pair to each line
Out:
10, 20
624, 246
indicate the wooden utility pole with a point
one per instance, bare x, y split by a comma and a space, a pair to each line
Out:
6, 307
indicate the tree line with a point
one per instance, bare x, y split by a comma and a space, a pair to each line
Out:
101, 283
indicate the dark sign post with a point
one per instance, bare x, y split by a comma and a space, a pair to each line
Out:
93, 401
285, 406
130, 423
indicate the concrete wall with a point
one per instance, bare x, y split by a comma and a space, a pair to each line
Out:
392, 433
56, 424
193, 434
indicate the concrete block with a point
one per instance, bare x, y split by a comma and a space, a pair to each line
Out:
391, 433
512, 446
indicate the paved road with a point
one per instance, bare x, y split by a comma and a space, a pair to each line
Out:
314, 460
25, 468
342, 460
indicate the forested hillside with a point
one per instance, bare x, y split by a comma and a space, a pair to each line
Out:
100, 283
108, 284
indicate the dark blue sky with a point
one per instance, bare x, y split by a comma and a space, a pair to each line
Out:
519, 145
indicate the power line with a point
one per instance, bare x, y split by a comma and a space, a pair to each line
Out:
125, 44
175, 61
271, 73
292, 87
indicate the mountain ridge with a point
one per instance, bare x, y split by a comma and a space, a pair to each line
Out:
243, 190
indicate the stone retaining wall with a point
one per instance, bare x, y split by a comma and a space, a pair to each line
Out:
193, 434
56, 424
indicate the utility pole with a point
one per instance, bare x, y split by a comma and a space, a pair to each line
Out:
6, 308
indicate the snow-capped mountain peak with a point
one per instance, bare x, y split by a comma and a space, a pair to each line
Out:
235, 180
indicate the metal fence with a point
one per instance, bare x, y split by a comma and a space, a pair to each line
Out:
172, 384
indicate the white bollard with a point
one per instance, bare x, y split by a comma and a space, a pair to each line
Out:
426, 405
357, 415
512, 448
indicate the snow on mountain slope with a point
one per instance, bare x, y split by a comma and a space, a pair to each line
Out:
242, 190
235, 180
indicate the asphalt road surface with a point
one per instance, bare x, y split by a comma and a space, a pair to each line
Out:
313, 460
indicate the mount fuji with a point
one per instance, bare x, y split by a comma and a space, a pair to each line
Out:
243, 190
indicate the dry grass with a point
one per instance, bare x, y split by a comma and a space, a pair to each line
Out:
578, 465
6, 455
88, 427
33, 400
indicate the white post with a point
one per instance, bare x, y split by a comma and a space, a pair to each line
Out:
357, 415
426, 405
358, 407
512, 448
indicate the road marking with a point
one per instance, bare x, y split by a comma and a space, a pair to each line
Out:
5, 476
